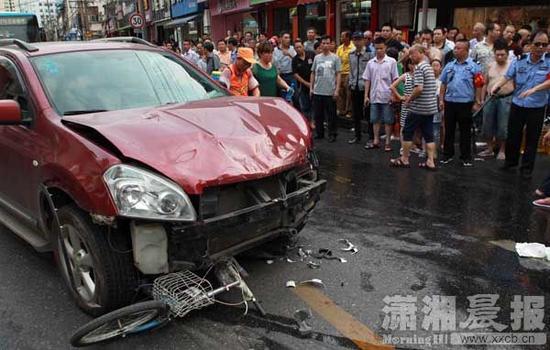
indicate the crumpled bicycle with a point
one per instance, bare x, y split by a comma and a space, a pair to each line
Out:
174, 295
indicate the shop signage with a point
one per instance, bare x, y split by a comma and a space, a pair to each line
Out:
184, 7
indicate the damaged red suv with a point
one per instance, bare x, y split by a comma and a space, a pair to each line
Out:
129, 163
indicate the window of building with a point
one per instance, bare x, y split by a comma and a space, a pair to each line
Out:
355, 15
314, 16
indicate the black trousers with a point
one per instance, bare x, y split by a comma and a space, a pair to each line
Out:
460, 113
532, 120
545, 188
358, 109
324, 108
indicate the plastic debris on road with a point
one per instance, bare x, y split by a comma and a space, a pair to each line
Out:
533, 250
313, 265
313, 282
350, 246
269, 262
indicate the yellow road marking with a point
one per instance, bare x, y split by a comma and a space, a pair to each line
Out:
344, 322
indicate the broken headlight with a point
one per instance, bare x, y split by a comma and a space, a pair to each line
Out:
142, 194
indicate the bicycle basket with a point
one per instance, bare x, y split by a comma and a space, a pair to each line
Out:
183, 291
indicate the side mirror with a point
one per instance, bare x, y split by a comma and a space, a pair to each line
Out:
10, 112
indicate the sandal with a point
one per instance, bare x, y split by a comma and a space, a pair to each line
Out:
372, 146
424, 165
542, 203
398, 163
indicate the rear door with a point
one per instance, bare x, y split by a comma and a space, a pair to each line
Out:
19, 155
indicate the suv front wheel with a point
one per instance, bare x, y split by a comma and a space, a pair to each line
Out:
96, 264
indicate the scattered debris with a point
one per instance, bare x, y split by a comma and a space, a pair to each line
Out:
313, 265
289, 260
302, 253
325, 253
269, 262
313, 282
301, 316
350, 246
533, 250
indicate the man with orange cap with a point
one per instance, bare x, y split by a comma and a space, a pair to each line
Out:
238, 77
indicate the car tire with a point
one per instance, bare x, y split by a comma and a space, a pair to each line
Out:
96, 264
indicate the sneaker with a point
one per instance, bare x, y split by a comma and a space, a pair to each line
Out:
467, 163
486, 153
446, 160
501, 156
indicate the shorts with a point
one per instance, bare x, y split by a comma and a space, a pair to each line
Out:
495, 118
381, 113
418, 121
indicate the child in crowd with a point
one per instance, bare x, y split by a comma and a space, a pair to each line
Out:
407, 80
438, 117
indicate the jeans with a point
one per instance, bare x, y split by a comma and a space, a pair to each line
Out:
381, 113
460, 113
532, 119
324, 108
304, 100
495, 118
358, 110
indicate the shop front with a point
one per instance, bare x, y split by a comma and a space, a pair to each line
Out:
185, 20
464, 13
117, 16
234, 16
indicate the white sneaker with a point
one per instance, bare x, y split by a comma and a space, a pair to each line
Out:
501, 156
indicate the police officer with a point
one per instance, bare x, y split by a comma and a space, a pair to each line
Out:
528, 104
358, 59
458, 95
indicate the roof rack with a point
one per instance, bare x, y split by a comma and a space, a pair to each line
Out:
126, 39
20, 43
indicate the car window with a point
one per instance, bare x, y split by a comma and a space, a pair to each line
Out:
107, 80
12, 87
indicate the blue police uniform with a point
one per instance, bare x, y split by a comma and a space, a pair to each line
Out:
459, 79
527, 112
459, 98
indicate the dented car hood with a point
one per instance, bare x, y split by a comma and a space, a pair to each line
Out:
208, 143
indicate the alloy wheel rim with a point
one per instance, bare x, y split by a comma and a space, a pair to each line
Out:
78, 264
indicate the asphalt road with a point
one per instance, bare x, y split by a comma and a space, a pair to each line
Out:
418, 233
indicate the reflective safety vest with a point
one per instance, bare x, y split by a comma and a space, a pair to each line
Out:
239, 83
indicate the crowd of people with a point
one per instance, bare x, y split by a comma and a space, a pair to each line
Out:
419, 91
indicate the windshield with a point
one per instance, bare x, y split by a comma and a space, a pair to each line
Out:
94, 81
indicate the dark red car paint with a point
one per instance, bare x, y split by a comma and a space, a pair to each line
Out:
198, 144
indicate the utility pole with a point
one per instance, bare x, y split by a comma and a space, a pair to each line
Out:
144, 6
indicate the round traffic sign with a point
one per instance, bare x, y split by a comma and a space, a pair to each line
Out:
137, 21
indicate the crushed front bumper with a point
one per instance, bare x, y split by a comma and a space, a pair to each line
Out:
196, 245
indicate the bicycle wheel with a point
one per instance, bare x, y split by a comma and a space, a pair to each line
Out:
121, 322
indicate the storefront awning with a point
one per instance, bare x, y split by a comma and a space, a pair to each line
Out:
180, 21
305, 2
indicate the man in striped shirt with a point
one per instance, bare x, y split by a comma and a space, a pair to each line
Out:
422, 104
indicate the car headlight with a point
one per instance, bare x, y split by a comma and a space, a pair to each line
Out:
142, 194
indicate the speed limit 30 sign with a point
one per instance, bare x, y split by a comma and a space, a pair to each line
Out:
137, 21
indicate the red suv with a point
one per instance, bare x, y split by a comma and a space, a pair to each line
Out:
129, 163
